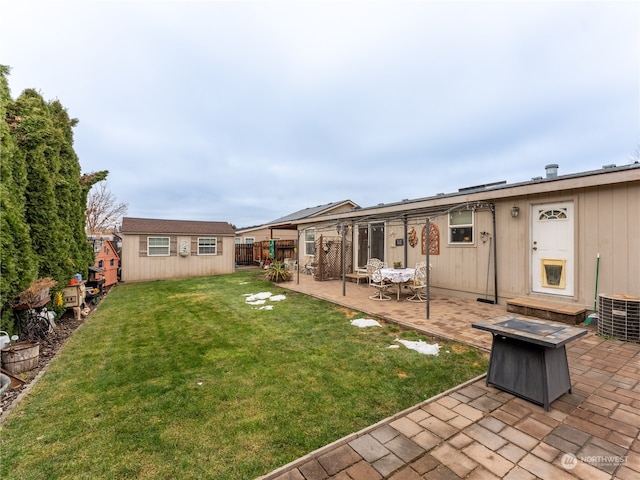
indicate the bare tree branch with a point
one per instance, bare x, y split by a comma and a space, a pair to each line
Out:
103, 210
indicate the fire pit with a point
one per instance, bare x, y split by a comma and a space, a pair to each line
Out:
528, 357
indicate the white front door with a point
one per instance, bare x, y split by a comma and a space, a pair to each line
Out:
552, 265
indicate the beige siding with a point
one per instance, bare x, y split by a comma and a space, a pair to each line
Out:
137, 267
607, 221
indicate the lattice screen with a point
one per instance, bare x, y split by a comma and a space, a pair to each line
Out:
328, 258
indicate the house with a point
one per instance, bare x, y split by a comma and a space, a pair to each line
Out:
107, 261
539, 239
155, 249
285, 228
283, 231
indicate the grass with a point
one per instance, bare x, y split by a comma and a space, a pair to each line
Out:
183, 379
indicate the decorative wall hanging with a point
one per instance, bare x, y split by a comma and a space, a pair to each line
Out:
413, 237
434, 239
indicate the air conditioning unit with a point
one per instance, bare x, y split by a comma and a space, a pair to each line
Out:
619, 317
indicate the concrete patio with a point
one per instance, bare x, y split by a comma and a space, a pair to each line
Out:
478, 432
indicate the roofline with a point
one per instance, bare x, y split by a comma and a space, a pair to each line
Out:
495, 191
292, 224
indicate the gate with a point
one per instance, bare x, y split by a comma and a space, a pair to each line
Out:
244, 254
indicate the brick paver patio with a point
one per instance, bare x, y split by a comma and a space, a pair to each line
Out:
480, 432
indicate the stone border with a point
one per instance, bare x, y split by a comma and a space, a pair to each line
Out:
349, 438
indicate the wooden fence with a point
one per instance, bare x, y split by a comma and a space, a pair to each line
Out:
258, 252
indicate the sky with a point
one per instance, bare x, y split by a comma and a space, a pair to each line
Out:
246, 112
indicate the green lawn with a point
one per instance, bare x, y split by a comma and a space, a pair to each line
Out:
183, 379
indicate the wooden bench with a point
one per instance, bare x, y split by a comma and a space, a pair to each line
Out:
356, 277
547, 310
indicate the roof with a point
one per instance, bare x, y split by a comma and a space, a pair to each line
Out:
177, 227
608, 174
300, 214
310, 212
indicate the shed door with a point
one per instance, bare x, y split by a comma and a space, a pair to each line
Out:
552, 265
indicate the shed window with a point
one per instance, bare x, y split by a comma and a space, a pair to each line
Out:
158, 246
207, 246
461, 227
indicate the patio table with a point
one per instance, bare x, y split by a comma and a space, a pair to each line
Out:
399, 276
528, 357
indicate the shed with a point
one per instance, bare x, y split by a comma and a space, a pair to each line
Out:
154, 249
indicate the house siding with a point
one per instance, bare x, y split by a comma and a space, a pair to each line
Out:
137, 266
606, 221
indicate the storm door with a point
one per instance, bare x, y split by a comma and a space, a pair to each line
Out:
552, 265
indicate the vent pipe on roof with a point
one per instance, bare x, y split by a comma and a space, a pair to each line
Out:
552, 170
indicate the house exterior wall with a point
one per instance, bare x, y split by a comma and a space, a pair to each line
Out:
267, 234
137, 266
606, 221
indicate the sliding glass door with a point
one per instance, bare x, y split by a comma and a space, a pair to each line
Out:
370, 243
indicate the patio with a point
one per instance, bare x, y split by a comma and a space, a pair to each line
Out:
475, 431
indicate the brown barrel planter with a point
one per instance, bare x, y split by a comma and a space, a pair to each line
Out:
20, 357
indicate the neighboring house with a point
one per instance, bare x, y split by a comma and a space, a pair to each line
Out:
285, 231
285, 228
157, 249
107, 261
538, 239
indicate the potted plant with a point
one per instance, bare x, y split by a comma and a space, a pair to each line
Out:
277, 272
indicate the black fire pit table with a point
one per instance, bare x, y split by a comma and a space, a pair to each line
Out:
528, 357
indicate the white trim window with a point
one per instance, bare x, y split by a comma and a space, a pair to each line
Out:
310, 241
461, 227
249, 240
158, 246
207, 246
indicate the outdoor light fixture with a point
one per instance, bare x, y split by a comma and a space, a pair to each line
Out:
515, 211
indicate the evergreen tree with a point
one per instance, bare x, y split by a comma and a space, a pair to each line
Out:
34, 134
43, 195
18, 266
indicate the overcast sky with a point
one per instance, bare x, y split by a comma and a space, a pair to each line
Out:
248, 111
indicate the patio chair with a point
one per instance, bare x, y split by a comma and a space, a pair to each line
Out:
377, 281
291, 264
309, 267
373, 264
418, 285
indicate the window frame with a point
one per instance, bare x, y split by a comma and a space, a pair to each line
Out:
310, 241
202, 246
452, 228
158, 247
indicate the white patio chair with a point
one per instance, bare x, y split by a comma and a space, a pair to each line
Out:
418, 285
377, 282
373, 264
291, 264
